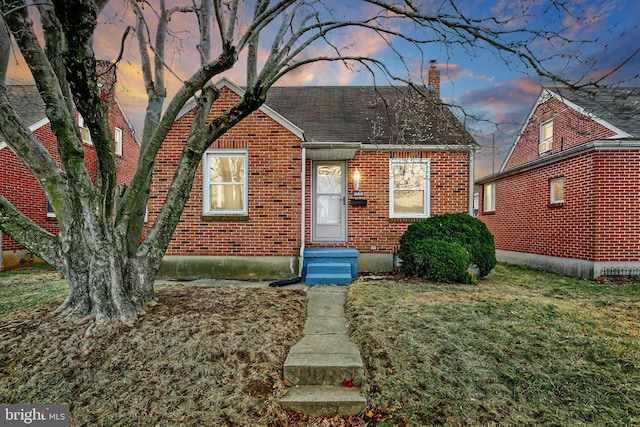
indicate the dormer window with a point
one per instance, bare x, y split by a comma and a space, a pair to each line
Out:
546, 137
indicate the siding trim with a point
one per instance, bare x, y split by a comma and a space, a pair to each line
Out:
599, 145
416, 147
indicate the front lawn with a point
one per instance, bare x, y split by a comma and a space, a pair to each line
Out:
202, 357
520, 348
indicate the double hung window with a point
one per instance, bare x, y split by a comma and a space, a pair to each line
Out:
225, 182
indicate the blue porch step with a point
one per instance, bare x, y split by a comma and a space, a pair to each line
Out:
328, 273
330, 266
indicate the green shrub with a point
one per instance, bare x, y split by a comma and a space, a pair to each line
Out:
461, 228
437, 260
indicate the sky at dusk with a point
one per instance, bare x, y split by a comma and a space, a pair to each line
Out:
493, 88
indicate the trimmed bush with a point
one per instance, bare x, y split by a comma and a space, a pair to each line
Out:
469, 232
435, 259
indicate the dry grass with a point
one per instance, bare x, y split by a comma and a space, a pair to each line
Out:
520, 348
204, 356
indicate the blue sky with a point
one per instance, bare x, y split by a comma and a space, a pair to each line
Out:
490, 86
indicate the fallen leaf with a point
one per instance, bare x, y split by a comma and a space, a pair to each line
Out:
288, 383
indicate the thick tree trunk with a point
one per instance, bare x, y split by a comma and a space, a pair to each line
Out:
104, 285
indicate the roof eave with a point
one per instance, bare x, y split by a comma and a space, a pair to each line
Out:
225, 82
596, 145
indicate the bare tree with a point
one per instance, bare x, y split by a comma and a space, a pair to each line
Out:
98, 249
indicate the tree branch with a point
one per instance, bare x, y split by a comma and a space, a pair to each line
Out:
22, 229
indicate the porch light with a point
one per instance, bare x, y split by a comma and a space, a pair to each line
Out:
356, 179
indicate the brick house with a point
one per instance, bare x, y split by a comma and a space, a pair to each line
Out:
314, 170
566, 197
22, 189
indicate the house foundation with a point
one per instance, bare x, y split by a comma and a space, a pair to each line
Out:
567, 266
228, 267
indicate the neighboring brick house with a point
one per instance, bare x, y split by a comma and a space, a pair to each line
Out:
567, 198
22, 189
314, 167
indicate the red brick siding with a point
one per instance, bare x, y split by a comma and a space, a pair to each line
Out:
596, 222
274, 203
275, 167
570, 128
525, 221
617, 186
22, 189
128, 161
370, 226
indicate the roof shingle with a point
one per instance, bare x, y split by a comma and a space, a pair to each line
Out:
619, 106
368, 114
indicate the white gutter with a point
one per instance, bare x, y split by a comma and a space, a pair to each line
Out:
303, 204
472, 156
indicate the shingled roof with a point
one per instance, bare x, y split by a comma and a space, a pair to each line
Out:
368, 114
27, 102
618, 106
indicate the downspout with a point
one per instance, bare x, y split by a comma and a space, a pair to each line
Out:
304, 209
472, 152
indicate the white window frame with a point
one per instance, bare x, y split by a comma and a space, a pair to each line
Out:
50, 212
545, 145
205, 182
426, 210
82, 127
117, 138
553, 195
489, 203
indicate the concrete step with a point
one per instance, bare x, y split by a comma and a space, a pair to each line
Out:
324, 360
324, 400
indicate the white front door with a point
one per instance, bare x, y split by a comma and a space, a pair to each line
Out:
329, 201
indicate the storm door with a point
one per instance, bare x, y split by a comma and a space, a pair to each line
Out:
329, 202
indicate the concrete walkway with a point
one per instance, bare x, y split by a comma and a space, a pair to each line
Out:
325, 361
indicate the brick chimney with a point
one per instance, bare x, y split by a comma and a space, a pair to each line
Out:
106, 71
434, 79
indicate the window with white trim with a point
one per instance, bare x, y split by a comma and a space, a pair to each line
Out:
50, 212
546, 137
489, 197
85, 135
117, 138
556, 189
225, 182
409, 188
